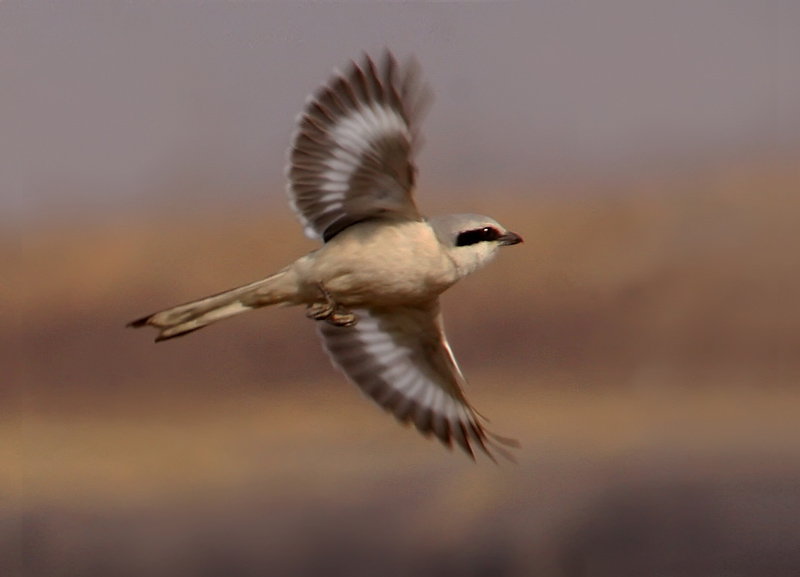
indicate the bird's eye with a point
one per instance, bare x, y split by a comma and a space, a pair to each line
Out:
477, 235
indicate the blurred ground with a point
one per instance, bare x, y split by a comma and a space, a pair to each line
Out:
642, 344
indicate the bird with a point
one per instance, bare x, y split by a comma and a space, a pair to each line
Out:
373, 286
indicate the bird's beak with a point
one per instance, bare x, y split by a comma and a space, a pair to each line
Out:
510, 238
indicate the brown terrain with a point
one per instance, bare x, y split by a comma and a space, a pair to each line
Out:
643, 344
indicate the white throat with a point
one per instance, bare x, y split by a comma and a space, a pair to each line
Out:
468, 259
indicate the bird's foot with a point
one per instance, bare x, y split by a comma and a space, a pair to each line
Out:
320, 311
330, 311
342, 318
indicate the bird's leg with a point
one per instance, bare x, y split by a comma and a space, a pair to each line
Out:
324, 310
330, 311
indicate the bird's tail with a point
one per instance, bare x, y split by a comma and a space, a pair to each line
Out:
183, 319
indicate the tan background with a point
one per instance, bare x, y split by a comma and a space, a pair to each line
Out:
642, 343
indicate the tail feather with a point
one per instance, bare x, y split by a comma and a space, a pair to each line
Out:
186, 318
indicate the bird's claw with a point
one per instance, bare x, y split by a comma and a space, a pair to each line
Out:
330, 311
319, 311
342, 318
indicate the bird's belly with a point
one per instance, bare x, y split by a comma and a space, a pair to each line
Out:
390, 267
363, 287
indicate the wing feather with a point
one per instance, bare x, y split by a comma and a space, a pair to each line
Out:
400, 358
352, 155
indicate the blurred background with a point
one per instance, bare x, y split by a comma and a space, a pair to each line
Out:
644, 348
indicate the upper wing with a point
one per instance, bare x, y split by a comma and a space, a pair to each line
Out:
351, 156
401, 359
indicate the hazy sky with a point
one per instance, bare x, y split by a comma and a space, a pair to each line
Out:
108, 100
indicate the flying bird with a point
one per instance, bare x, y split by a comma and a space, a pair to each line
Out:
374, 284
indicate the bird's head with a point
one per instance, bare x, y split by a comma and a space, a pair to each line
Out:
472, 240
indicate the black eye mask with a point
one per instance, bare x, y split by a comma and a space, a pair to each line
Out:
469, 237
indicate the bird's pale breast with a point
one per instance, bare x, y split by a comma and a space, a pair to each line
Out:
373, 264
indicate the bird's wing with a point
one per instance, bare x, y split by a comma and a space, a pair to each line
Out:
351, 156
400, 358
